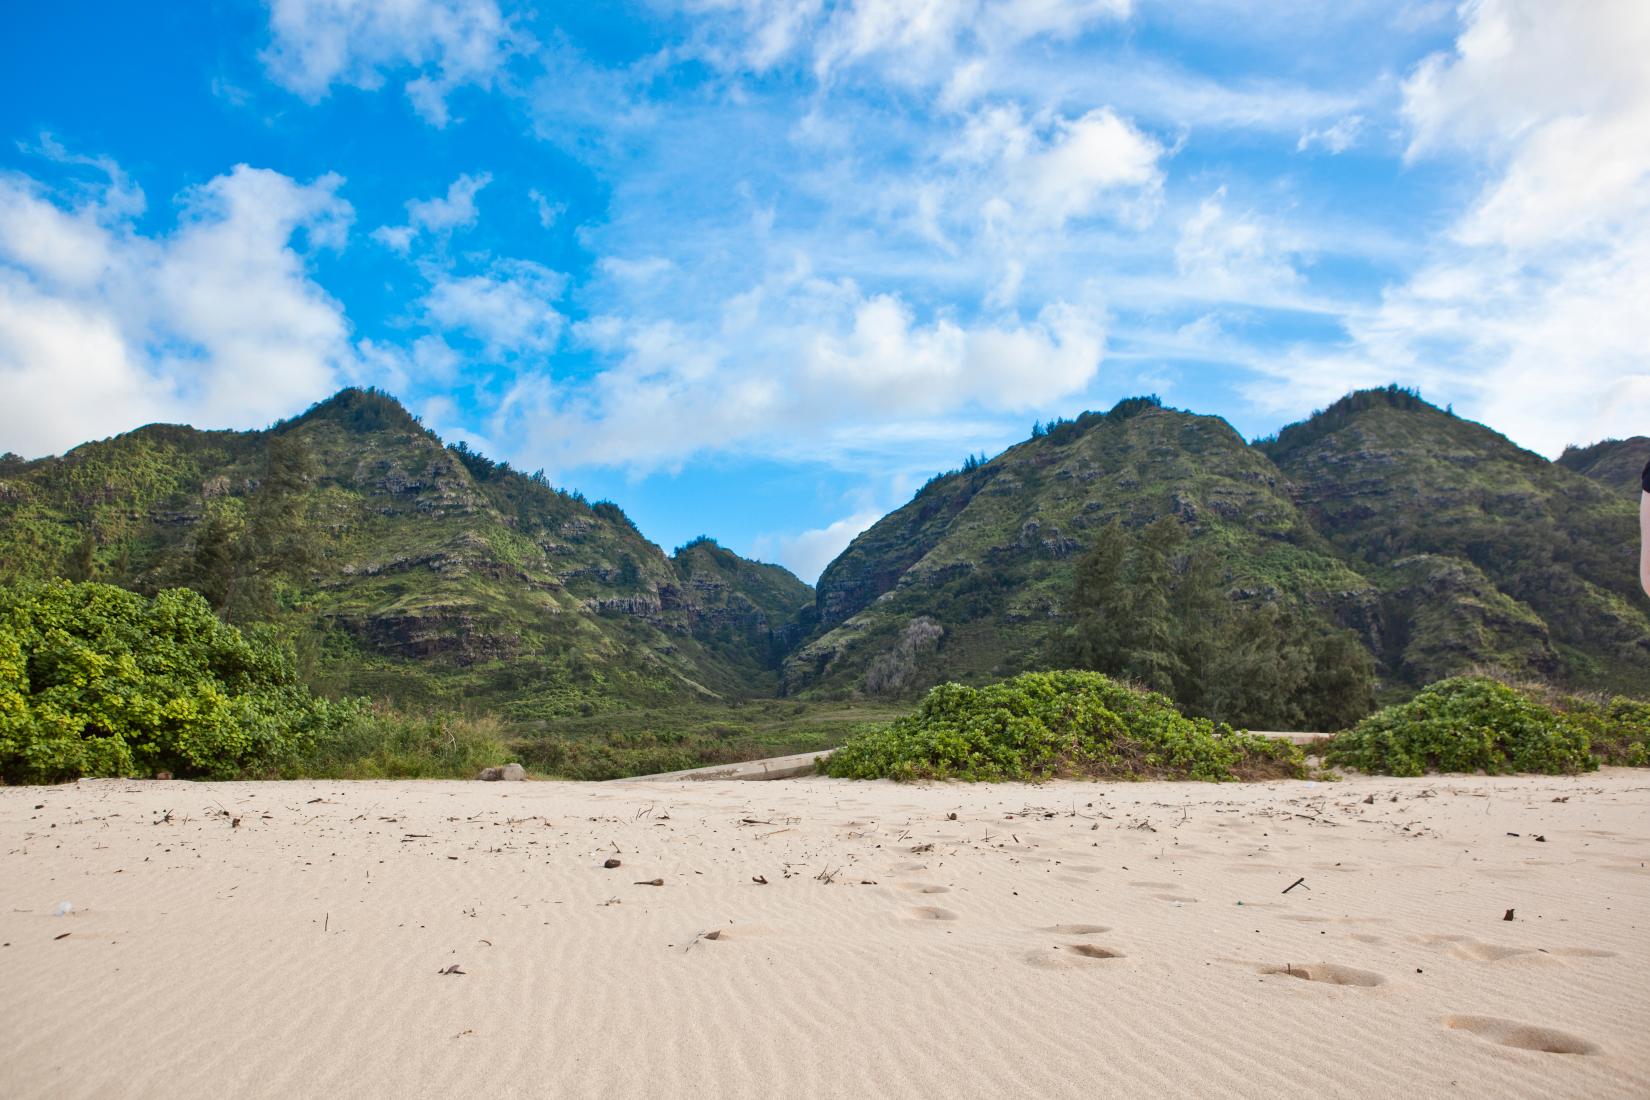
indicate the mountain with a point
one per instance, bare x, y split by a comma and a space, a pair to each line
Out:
407, 569
1441, 543
1616, 463
1486, 553
431, 576
970, 579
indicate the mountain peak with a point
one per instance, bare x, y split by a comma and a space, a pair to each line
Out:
360, 409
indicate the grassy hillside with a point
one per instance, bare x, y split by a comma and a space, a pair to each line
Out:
405, 569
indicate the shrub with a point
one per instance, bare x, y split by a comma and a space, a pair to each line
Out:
1618, 728
99, 681
1465, 724
1042, 725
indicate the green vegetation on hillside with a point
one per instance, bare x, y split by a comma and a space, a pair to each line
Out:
1617, 464
1465, 724
1145, 608
428, 577
1044, 725
99, 681
1487, 555
1380, 545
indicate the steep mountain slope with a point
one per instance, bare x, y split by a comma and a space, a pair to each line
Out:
1485, 552
1440, 542
1616, 463
408, 569
970, 578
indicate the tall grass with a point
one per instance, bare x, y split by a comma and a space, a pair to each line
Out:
390, 744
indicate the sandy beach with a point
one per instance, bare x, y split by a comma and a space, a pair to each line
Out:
815, 937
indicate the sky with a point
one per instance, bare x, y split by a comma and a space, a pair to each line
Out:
757, 269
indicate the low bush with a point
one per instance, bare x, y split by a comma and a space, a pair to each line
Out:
1618, 728
1466, 724
99, 681
1043, 725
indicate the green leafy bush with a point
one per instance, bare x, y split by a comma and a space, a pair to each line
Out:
99, 681
1041, 725
1618, 728
1465, 724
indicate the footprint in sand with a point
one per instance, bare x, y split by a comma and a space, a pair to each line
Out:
1067, 956
1156, 885
1511, 1033
932, 912
1076, 929
1328, 973
1182, 899
1465, 947
906, 868
925, 887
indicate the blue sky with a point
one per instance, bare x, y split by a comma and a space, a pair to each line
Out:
757, 269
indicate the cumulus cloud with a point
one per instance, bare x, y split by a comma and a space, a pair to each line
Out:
807, 553
218, 322
446, 44
508, 308
803, 367
1531, 312
438, 216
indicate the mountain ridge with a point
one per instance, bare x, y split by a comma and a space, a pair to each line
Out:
428, 573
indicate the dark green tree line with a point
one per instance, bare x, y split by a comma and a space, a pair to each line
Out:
1155, 609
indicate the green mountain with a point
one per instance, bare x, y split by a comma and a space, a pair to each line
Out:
406, 569
431, 577
970, 579
1486, 553
1617, 463
1442, 544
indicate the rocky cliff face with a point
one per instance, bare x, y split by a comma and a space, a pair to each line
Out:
428, 570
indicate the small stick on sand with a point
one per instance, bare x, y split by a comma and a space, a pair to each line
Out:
1296, 883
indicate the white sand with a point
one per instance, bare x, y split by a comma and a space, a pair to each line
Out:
297, 955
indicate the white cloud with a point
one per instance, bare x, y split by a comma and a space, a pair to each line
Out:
547, 211
914, 42
1336, 138
1233, 255
1085, 162
437, 216
316, 44
509, 308
1531, 314
807, 553
219, 323
803, 367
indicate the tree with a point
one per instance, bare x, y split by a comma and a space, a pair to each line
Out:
96, 680
1153, 609
82, 565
